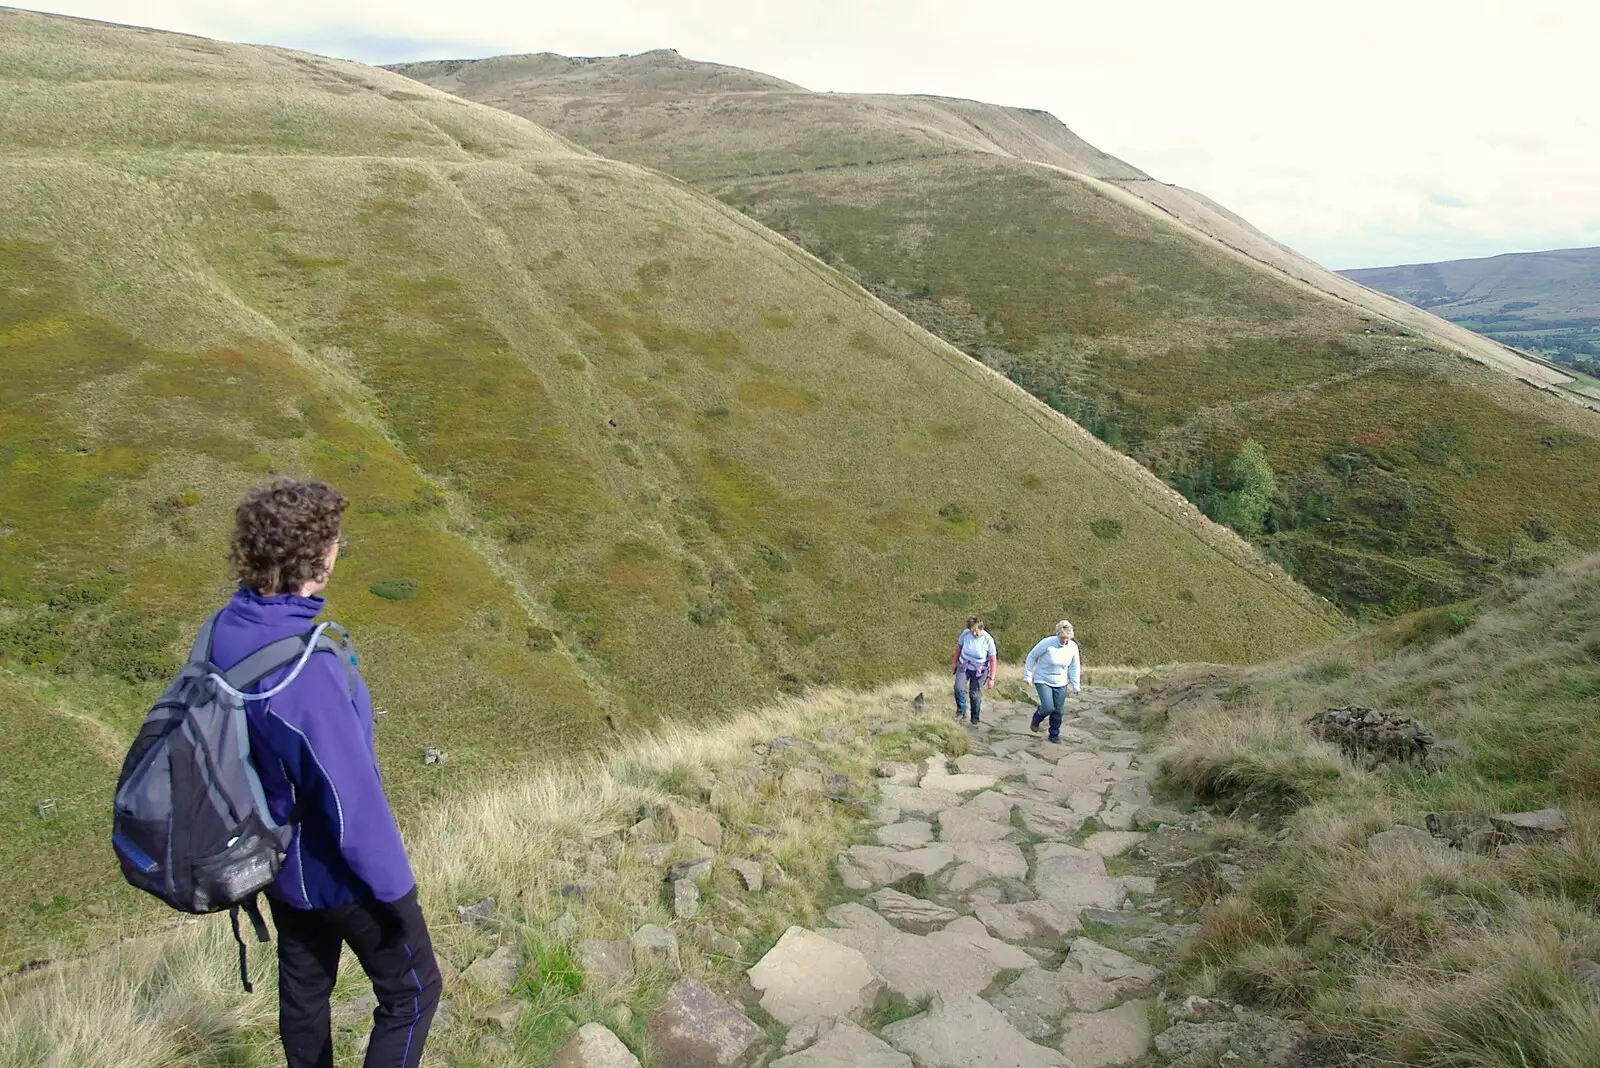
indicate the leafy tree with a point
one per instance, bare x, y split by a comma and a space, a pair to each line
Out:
1245, 509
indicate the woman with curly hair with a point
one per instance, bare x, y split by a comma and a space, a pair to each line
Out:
346, 879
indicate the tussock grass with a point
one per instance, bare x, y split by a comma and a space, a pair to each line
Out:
1426, 958
173, 999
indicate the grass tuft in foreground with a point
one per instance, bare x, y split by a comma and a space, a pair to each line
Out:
1421, 957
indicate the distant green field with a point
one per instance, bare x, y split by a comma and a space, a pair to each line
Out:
615, 454
963, 217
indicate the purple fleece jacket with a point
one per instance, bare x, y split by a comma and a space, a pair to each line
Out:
313, 743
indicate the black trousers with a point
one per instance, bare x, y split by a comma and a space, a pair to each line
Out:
391, 941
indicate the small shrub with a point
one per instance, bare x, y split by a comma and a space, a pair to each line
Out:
396, 589
1106, 529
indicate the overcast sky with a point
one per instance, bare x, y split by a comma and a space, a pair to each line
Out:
1362, 132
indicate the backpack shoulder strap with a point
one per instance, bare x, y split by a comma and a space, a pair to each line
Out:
265, 660
200, 653
285, 651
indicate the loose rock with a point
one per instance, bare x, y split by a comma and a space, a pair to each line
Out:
806, 974
594, 1046
656, 947
605, 962
1545, 825
964, 1031
696, 1029
692, 823
497, 972
476, 913
839, 1043
749, 873
1402, 839
911, 913
1102, 1039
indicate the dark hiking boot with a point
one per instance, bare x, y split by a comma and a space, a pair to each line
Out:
1033, 724
1056, 738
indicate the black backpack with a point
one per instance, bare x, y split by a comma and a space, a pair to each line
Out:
190, 823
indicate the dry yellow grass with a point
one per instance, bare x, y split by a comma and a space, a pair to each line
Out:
173, 999
1427, 958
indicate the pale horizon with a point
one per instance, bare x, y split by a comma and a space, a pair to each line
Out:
1367, 135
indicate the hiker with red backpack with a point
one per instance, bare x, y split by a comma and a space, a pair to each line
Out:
305, 818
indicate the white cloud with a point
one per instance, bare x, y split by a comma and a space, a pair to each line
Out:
1361, 132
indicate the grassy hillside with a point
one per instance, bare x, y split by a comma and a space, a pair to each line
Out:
1433, 956
1548, 302
616, 454
1406, 475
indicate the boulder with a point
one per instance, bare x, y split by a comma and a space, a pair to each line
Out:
656, 947
914, 966
605, 962
958, 825
850, 876
1455, 826
504, 1014
911, 913
838, 1043
991, 806
696, 1029
897, 774
1545, 825
692, 823
806, 974
695, 869
594, 1046
882, 865
1150, 817
918, 799
1402, 839
968, 932
714, 941
564, 928
936, 777
353, 1014
1372, 736
858, 916
683, 895
497, 972
1111, 1037
1075, 879
1048, 820
911, 834
971, 764
962, 877
1246, 1038
749, 872
998, 859
964, 1031
476, 913
1111, 843
1027, 921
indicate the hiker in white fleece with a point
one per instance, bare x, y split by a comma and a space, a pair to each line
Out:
1053, 668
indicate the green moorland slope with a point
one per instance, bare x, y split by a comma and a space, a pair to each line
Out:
616, 454
1406, 474
1431, 956
1545, 301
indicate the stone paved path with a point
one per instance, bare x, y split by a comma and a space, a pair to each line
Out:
992, 881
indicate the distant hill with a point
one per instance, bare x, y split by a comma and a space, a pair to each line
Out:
1406, 474
616, 454
1547, 302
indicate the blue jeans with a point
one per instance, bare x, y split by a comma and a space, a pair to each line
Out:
969, 683
1052, 700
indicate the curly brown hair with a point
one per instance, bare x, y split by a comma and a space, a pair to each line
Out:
282, 532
